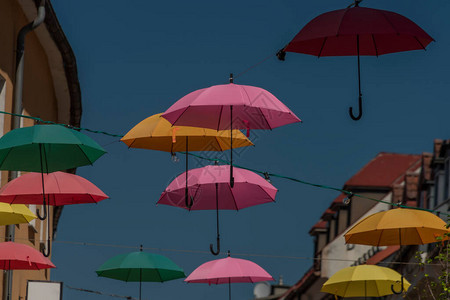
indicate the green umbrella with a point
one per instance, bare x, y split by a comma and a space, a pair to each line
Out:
140, 266
55, 146
47, 148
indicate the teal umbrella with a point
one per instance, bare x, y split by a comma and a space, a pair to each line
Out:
140, 267
47, 148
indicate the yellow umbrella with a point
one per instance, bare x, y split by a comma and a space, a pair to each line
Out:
364, 281
156, 133
399, 226
15, 214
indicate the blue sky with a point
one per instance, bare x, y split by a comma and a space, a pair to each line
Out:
136, 58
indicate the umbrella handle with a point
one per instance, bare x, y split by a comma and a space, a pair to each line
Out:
45, 212
211, 247
401, 290
350, 109
46, 250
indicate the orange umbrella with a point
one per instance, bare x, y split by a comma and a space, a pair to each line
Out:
399, 226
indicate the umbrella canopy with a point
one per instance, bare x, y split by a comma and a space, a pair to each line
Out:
357, 31
15, 256
15, 214
211, 189
230, 106
140, 267
364, 281
156, 133
47, 148
228, 270
398, 226
60, 188
250, 189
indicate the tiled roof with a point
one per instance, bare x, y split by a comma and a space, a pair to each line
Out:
319, 225
384, 170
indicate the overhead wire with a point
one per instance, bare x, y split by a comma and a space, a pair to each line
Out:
349, 194
238, 254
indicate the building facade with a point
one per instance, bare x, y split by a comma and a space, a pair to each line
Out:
51, 92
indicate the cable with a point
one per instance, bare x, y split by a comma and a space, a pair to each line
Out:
100, 293
264, 173
187, 251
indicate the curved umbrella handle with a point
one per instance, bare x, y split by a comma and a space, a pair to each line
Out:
211, 247
46, 250
350, 109
42, 218
401, 290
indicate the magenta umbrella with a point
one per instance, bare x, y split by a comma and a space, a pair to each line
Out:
60, 188
212, 183
230, 106
228, 270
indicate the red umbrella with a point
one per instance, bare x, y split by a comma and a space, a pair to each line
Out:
357, 31
15, 256
228, 270
60, 188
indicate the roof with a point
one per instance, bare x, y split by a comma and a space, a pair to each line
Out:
382, 255
307, 278
319, 225
384, 170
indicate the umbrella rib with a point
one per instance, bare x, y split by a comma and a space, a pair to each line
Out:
220, 117
273, 200
6, 156
264, 117
375, 45
84, 155
321, 48
421, 45
174, 123
390, 23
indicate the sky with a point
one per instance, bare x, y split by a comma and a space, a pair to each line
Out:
137, 57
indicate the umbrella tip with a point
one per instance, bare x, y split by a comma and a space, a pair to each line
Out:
231, 77
140, 249
228, 253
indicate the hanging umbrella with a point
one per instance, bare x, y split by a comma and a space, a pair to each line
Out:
364, 281
230, 106
60, 189
15, 256
398, 227
44, 149
212, 191
140, 267
156, 133
357, 31
15, 214
228, 270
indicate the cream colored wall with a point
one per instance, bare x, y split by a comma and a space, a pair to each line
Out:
39, 100
337, 249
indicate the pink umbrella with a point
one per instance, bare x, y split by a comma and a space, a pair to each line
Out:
60, 188
212, 182
228, 270
230, 106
